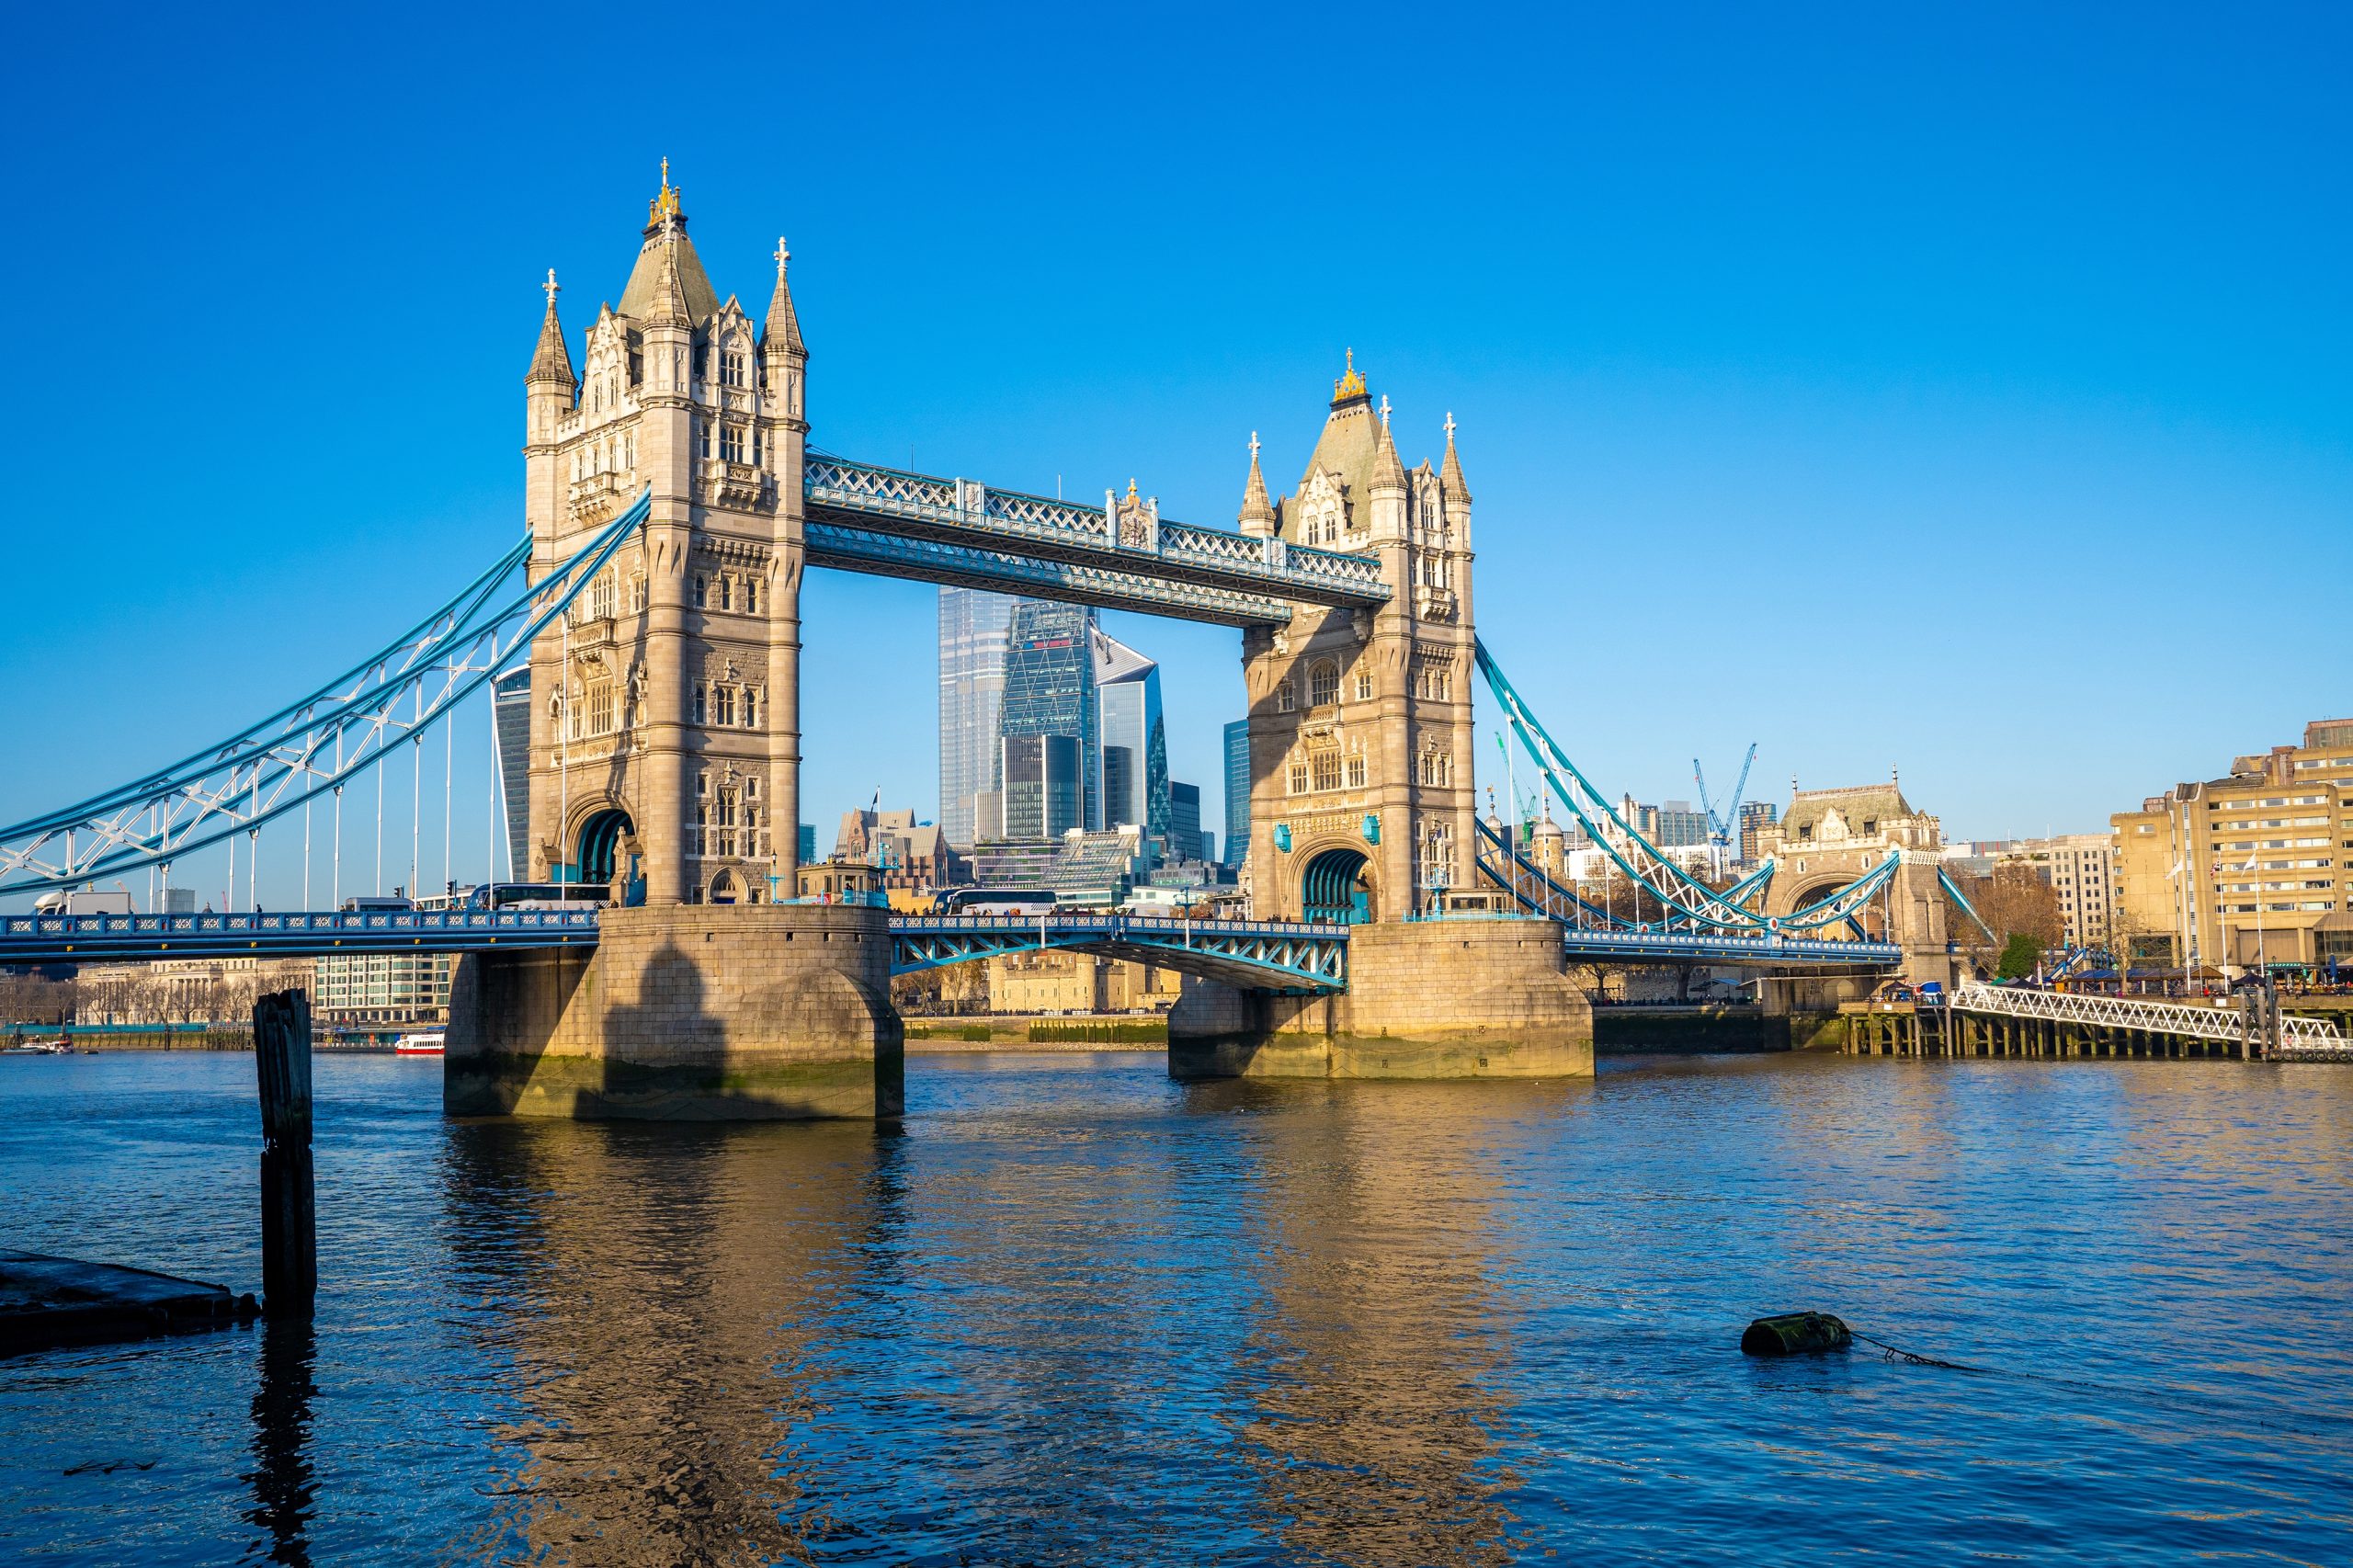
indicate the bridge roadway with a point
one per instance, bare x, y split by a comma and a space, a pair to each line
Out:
1257, 954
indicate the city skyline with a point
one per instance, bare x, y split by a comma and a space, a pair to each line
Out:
2019, 372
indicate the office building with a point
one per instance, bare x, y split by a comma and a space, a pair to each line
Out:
808, 842
1237, 792
510, 702
1133, 775
383, 988
2080, 868
2247, 870
1045, 786
1185, 841
1090, 869
973, 631
1049, 692
1676, 825
1755, 817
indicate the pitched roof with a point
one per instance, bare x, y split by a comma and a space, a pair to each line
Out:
1855, 805
666, 262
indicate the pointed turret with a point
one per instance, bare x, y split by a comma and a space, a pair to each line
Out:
1388, 471
782, 333
552, 361
1257, 511
1450, 474
666, 304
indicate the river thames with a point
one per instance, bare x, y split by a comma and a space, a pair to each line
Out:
1071, 1312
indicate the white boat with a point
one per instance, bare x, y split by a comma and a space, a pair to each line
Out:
424, 1043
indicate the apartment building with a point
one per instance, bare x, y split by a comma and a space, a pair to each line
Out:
2248, 870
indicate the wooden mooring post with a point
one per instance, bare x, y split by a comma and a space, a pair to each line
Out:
290, 1239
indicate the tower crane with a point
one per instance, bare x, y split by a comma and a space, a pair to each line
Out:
1722, 827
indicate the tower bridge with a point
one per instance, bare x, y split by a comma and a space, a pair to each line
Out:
674, 505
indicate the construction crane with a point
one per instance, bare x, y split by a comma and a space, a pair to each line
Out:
1721, 828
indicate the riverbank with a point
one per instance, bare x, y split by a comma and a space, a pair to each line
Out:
946, 1037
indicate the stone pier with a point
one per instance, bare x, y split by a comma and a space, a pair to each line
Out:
687, 1013
1485, 998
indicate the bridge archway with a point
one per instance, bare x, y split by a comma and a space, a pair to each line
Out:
1336, 886
1873, 920
599, 840
726, 887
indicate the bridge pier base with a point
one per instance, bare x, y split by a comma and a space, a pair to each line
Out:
1432, 999
685, 1013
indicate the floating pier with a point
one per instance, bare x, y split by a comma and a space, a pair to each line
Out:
48, 1300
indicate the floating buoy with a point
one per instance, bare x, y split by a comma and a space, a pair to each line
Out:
1795, 1334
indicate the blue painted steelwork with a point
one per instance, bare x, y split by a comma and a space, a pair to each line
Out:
1715, 947
1631, 941
867, 518
90, 939
314, 747
1695, 905
1966, 907
1253, 954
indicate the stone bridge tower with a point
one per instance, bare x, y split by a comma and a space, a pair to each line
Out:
1829, 838
665, 745
1361, 805
1361, 799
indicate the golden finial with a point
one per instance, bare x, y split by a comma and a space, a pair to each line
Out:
1349, 385
665, 204
1131, 490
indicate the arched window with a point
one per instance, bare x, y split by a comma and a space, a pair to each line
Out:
637, 595
1364, 683
750, 708
1324, 685
1286, 695
731, 367
702, 703
702, 591
751, 596
1299, 776
726, 591
722, 704
1326, 768
1355, 770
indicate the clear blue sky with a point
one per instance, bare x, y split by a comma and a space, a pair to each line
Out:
1964, 389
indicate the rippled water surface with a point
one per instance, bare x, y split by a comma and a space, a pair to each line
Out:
1071, 1312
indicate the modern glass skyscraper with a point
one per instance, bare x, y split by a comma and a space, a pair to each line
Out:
973, 629
1237, 792
510, 697
1050, 691
1185, 823
1042, 786
1134, 774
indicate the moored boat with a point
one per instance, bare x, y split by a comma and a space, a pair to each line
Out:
425, 1042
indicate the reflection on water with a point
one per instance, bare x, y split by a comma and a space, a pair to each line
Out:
1074, 1314
282, 1480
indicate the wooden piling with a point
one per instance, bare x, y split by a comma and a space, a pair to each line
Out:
289, 1242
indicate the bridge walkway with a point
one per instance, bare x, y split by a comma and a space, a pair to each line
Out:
1996, 1020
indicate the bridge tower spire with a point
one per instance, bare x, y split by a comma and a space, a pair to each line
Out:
666, 744
1360, 723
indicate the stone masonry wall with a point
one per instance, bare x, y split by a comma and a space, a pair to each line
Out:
685, 1013
1430, 999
